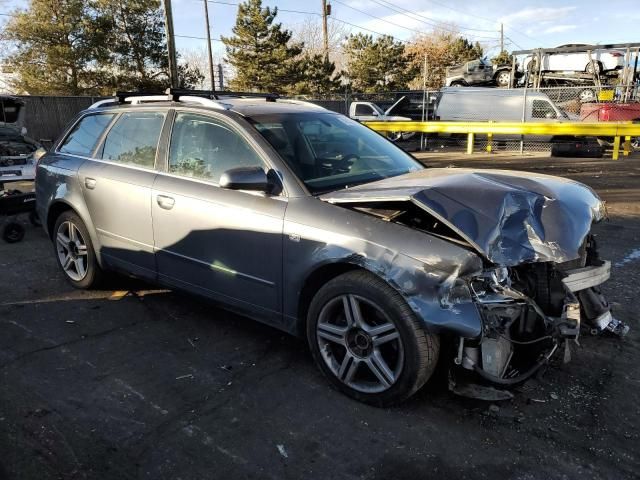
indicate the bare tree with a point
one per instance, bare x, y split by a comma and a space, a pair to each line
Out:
199, 59
309, 32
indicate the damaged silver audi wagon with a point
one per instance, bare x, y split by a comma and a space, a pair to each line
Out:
313, 223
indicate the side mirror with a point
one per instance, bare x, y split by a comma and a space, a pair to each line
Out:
245, 178
374, 113
550, 115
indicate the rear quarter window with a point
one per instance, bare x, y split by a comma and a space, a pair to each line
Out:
85, 135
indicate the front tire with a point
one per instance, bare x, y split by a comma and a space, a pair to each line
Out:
367, 340
75, 253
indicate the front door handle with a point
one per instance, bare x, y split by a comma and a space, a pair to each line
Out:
165, 202
90, 183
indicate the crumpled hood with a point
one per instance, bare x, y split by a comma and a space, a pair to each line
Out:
510, 217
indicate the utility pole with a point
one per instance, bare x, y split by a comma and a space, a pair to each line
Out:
220, 77
325, 33
501, 37
171, 46
206, 19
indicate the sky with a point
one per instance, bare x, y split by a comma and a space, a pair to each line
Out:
527, 24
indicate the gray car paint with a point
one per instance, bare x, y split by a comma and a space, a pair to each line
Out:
257, 254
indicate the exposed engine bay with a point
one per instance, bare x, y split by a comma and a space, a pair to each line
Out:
16, 149
533, 310
530, 312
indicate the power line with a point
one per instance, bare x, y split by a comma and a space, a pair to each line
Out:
427, 20
378, 18
302, 12
430, 23
513, 41
396, 8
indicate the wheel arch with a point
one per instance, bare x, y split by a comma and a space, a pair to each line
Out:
314, 281
57, 208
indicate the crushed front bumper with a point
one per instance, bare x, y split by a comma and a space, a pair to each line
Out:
587, 277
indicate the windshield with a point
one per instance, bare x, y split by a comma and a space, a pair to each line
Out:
329, 151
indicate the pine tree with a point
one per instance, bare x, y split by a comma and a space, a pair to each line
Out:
58, 44
318, 76
261, 52
377, 65
136, 43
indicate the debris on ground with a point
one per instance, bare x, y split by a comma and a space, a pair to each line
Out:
282, 451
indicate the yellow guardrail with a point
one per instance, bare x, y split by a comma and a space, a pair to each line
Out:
617, 130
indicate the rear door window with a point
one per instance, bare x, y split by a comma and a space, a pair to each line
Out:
86, 134
133, 140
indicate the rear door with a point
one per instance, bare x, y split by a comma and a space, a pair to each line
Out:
117, 188
225, 244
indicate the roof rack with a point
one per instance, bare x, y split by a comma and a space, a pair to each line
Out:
303, 102
208, 98
269, 97
202, 97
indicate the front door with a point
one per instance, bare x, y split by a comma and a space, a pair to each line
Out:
117, 190
226, 244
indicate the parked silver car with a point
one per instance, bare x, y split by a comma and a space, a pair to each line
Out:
313, 223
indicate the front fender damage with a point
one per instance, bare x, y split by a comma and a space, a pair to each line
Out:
512, 316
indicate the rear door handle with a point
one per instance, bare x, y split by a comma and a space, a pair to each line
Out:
90, 183
165, 202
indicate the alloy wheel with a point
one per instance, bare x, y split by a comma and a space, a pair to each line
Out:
72, 251
360, 344
587, 95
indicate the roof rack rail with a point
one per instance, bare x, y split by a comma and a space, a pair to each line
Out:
202, 97
303, 102
176, 93
269, 97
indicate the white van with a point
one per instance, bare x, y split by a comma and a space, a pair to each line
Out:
475, 104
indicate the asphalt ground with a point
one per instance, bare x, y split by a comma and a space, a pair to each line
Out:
137, 382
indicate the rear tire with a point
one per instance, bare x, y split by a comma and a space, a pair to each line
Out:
75, 253
590, 68
368, 342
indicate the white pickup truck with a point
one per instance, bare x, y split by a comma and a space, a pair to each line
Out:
369, 112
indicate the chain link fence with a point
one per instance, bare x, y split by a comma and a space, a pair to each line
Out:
582, 103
